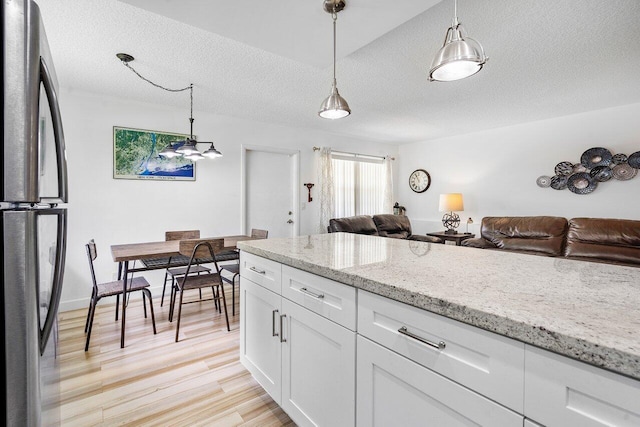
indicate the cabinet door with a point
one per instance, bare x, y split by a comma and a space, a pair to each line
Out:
260, 347
395, 391
564, 392
318, 369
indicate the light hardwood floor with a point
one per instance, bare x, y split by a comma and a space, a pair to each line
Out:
155, 381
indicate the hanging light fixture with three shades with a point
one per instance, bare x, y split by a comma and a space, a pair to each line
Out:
460, 55
334, 106
187, 148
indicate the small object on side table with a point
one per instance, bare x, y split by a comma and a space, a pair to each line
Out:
458, 237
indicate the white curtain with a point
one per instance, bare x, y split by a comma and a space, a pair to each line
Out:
387, 203
325, 178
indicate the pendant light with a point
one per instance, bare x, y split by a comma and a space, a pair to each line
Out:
335, 106
187, 148
460, 55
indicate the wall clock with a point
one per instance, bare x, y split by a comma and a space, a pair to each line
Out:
419, 180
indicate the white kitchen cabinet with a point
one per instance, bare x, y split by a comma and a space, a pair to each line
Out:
395, 391
260, 347
529, 423
305, 361
564, 392
318, 369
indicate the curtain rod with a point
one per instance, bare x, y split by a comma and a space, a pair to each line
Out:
355, 154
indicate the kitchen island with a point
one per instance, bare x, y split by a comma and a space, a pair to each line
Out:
538, 306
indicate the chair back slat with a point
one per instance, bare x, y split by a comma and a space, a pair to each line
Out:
181, 235
187, 247
259, 234
92, 254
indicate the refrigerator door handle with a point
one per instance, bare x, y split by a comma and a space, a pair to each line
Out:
56, 290
57, 130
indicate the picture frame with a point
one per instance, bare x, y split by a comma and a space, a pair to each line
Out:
136, 156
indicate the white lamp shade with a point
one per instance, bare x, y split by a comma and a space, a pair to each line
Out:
451, 202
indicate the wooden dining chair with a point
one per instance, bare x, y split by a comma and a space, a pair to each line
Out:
234, 269
108, 289
199, 249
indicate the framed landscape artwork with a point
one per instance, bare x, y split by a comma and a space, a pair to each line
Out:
135, 156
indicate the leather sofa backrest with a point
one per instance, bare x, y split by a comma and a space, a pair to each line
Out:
602, 239
544, 235
395, 226
362, 224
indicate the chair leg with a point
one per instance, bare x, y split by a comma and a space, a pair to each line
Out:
147, 292
233, 294
174, 294
166, 277
226, 315
86, 324
117, 305
144, 303
92, 311
179, 313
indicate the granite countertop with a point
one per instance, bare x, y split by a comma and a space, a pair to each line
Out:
587, 311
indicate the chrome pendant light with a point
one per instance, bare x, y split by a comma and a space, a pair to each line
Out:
460, 55
335, 106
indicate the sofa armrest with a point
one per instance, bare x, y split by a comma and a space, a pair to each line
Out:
429, 239
479, 242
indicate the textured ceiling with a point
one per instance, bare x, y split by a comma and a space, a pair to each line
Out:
548, 58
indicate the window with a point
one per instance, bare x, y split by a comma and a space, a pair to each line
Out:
358, 184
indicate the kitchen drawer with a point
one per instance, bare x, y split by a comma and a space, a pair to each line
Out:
564, 392
395, 391
488, 363
333, 300
261, 271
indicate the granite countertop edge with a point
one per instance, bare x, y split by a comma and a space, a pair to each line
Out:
612, 359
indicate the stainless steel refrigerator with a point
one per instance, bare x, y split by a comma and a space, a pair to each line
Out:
33, 230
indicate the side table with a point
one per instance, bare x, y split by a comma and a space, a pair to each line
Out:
457, 237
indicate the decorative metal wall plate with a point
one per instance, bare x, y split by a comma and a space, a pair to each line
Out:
564, 168
601, 173
596, 165
619, 158
581, 183
559, 182
624, 172
634, 160
596, 156
543, 181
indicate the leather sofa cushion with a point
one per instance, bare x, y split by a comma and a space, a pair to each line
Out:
602, 239
395, 226
544, 235
478, 242
361, 224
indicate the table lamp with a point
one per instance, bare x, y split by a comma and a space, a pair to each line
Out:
449, 203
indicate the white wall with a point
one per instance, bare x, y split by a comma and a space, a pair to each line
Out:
128, 211
496, 170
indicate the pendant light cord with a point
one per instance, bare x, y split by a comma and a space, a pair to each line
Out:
334, 15
189, 88
126, 64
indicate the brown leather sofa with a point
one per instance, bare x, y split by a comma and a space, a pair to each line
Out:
615, 241
386, 225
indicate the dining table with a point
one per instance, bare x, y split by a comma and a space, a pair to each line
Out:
125, 253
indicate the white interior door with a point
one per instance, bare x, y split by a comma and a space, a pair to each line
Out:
269, 192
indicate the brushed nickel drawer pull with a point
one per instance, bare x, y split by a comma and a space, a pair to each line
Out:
256, 270
282, 338
273, 323
313, 294
440, 346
